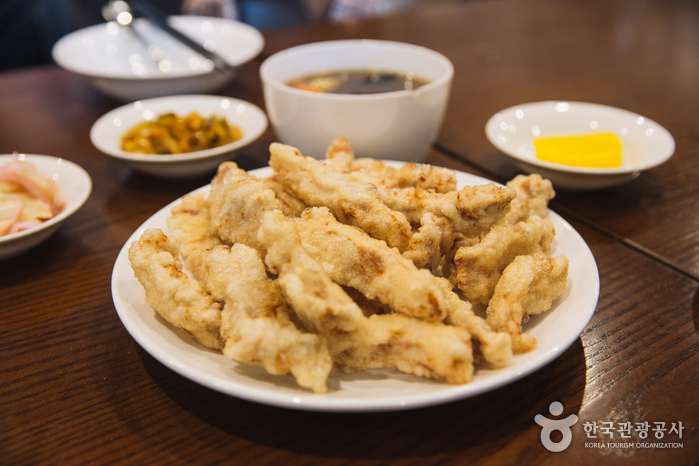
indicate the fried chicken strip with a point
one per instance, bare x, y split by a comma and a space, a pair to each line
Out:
189, 225
238, 201
291, 205
368, 170
533, 196
351, 202
426, 349
178, 299
339, 155
425, 176
527, 287
355, 341
352, 258
472, 210
548, 233
318, 302
434, 238
477, 269
255, 320
494, 346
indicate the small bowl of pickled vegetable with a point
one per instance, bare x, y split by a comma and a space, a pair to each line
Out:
178, 136
37, 194
578, 145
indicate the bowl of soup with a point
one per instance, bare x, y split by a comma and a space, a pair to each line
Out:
388, 98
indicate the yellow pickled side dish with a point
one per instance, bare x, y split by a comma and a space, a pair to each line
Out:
172, 134
602, 150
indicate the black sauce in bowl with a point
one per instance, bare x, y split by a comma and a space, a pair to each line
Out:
357, 82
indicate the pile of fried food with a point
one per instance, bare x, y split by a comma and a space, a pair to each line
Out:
340, 266
172, 134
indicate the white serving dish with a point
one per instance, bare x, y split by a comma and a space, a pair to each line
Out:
394, 125
373, 390
107, 131
75, 186
645, 143
118, 64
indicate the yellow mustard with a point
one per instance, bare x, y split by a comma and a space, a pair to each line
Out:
602, 150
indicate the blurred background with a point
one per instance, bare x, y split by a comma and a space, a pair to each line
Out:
30, 28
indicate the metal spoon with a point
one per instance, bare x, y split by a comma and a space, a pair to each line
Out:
119, 11
159, 19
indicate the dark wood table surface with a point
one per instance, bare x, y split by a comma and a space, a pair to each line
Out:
75, 388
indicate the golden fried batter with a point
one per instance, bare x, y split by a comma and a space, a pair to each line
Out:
177, 298
527, 287
368, 170
255, 320
238, 201
291, 205
352, 258
494, 347
189, 225
439, 180
533, 196
472, 210
426, 349
434, 238
339, 155
351, 202
356, 342
411, 175
478, 268
548, 234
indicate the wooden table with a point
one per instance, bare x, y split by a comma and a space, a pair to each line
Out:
75, 388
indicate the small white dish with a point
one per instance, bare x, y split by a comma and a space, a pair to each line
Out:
108, 130
117, 63
398, 125
645, 144
374, 390
75, 186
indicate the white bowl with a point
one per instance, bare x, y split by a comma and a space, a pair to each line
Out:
645, 144
393, 125
75, 186
117, 63
107, 131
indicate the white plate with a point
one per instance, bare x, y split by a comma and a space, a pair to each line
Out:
645, 144
107, 131
118, 64
375, 390
75, 186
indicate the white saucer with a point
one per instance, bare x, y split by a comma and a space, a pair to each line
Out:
645, 143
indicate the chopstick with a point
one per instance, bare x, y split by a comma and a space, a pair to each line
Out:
159, 19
